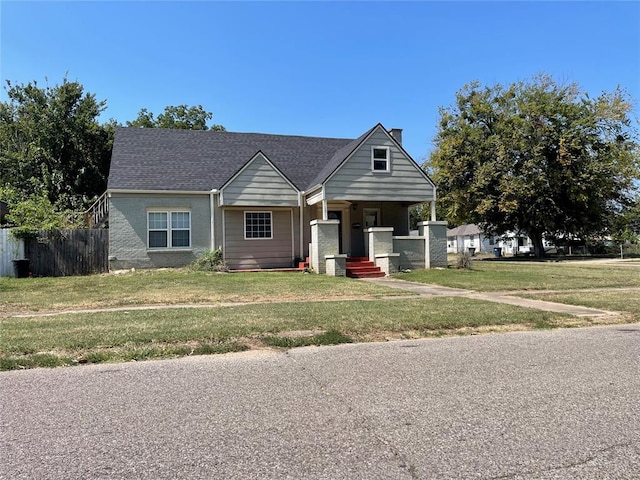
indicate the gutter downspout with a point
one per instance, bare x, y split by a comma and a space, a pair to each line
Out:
213, 218
433, 206
301, 226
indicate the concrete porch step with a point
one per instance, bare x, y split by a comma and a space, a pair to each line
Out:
362, 267
303, 265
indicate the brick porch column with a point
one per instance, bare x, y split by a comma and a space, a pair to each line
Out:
380, 240
435, 248
324, 241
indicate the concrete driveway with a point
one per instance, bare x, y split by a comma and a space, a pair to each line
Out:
559, 404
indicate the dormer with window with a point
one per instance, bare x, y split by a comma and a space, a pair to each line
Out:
380, 159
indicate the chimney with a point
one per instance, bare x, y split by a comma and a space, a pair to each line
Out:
396, 133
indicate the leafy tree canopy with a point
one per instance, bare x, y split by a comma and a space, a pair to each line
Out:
54, 153
51, 141
536, 157
626, 224
179, 117
29, 215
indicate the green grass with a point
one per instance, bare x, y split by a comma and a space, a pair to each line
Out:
143, 334
331, 337
291, 313
177, 286
498, 276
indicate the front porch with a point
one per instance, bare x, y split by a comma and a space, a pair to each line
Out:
385, 252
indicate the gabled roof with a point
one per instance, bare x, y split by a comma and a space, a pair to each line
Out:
468, 229
259, 155
196, 160
339, 157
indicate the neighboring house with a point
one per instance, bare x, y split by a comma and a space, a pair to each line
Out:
516, 244
466, 237
266, 200
470, 236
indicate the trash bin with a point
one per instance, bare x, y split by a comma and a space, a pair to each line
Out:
21, 268
472, 251
497, 252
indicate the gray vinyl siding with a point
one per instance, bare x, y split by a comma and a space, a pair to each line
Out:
259, 184
128, 230
258, 253
354, 180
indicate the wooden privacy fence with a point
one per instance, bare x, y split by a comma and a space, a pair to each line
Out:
10, 249
68, 252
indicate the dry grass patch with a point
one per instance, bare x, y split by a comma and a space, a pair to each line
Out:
174, 287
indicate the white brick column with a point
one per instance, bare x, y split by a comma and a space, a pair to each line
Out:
324, 241
389, 263
435, 249
380, 241
336, 265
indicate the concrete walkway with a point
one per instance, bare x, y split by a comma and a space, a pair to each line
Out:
426, 290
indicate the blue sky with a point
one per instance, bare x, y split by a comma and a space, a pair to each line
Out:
316, 68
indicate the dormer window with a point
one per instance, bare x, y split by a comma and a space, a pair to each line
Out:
380, 159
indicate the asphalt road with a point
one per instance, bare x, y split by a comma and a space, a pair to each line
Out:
561, 404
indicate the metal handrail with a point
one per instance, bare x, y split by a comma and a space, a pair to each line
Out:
97, 212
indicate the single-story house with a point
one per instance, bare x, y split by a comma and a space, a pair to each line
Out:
267, 201
470, 236
467, 237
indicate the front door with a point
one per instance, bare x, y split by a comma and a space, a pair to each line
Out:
337, 215
371, 217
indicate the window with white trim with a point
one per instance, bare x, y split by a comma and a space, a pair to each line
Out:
169, 229
380, 159
258, 225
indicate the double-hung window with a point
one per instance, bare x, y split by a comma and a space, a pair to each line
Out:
380, 159
258, 225
170, 229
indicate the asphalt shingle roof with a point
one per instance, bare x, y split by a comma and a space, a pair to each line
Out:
195, 160
468, 229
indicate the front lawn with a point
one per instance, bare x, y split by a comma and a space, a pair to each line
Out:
617, 301
501, 275
70, 339
285, 310
175, 286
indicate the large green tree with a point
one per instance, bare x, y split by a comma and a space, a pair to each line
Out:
537, 157
180, 117
51, 142
626, 224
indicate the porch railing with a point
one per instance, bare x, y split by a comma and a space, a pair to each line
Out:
98, 213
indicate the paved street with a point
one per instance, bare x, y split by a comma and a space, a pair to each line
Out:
560, 404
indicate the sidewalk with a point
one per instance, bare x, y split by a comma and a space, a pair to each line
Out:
427, 290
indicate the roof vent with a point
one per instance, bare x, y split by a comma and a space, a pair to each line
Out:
396, 133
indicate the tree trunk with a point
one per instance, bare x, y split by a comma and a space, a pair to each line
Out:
538, 247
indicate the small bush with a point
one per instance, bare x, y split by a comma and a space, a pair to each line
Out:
464, 261
211, 261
